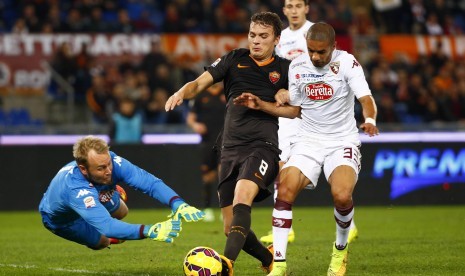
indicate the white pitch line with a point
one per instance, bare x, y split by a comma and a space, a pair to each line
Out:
80, 271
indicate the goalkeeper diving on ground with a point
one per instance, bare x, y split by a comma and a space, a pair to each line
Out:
84, 204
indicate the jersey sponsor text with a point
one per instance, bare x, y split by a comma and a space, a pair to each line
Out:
319, 91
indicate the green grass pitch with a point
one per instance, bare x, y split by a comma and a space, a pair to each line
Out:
407, 240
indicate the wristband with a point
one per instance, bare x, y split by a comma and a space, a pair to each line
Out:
370, 121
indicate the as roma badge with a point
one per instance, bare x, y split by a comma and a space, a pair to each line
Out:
274, 77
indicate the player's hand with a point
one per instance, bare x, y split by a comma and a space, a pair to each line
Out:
164, 231
282, 97
188, 213
199, 128
369, 129
173, 101
248, 100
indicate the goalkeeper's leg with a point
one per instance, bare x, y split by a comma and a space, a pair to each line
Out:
80, 232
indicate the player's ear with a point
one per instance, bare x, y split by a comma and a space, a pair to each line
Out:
83, 169
276, 40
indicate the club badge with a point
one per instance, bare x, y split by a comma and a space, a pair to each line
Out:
274, 77
334, 66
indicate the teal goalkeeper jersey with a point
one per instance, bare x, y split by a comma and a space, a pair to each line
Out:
71, 196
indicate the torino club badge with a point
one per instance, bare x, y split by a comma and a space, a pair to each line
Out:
334, 66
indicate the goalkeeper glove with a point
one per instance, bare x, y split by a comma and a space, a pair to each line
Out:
188, 213
163, 231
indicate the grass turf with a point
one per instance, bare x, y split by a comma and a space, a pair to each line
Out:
408, 240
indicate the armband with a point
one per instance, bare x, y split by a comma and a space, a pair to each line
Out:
370, 121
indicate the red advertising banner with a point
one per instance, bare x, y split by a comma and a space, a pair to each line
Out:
414, 46
23, 58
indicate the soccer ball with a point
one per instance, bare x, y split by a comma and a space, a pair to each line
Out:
202, 261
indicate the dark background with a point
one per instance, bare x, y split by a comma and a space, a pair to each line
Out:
25, 172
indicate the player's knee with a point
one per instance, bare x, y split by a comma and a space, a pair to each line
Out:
286, 194
342, 199
104, 242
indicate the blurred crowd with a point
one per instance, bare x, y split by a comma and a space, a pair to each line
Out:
429, 89
225, 16
432, 89
147, 82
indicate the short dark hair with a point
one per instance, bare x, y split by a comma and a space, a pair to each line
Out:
270, 19
305, 1
321, 31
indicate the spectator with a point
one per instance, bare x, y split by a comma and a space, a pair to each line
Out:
173, 20
124, 24
432, 25
417, 16
95, 23
362, 23
74, 22
20, 27
152, 59
132, 89
126, 124
64, 63
84, 63
386, 109
418, 97
161, 78
155, 108
33, 23
54, 19
99, 100
143, 23
451, 26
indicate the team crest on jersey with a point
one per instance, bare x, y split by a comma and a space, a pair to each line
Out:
274, 76
334, 66
319, 91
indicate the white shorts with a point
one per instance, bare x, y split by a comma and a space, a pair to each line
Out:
288, 129
311, 154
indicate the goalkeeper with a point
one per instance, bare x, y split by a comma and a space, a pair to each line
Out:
83, 204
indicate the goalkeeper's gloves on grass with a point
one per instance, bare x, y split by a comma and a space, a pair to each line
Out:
188, 213
164, 231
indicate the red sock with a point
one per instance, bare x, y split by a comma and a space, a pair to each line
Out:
115, 241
